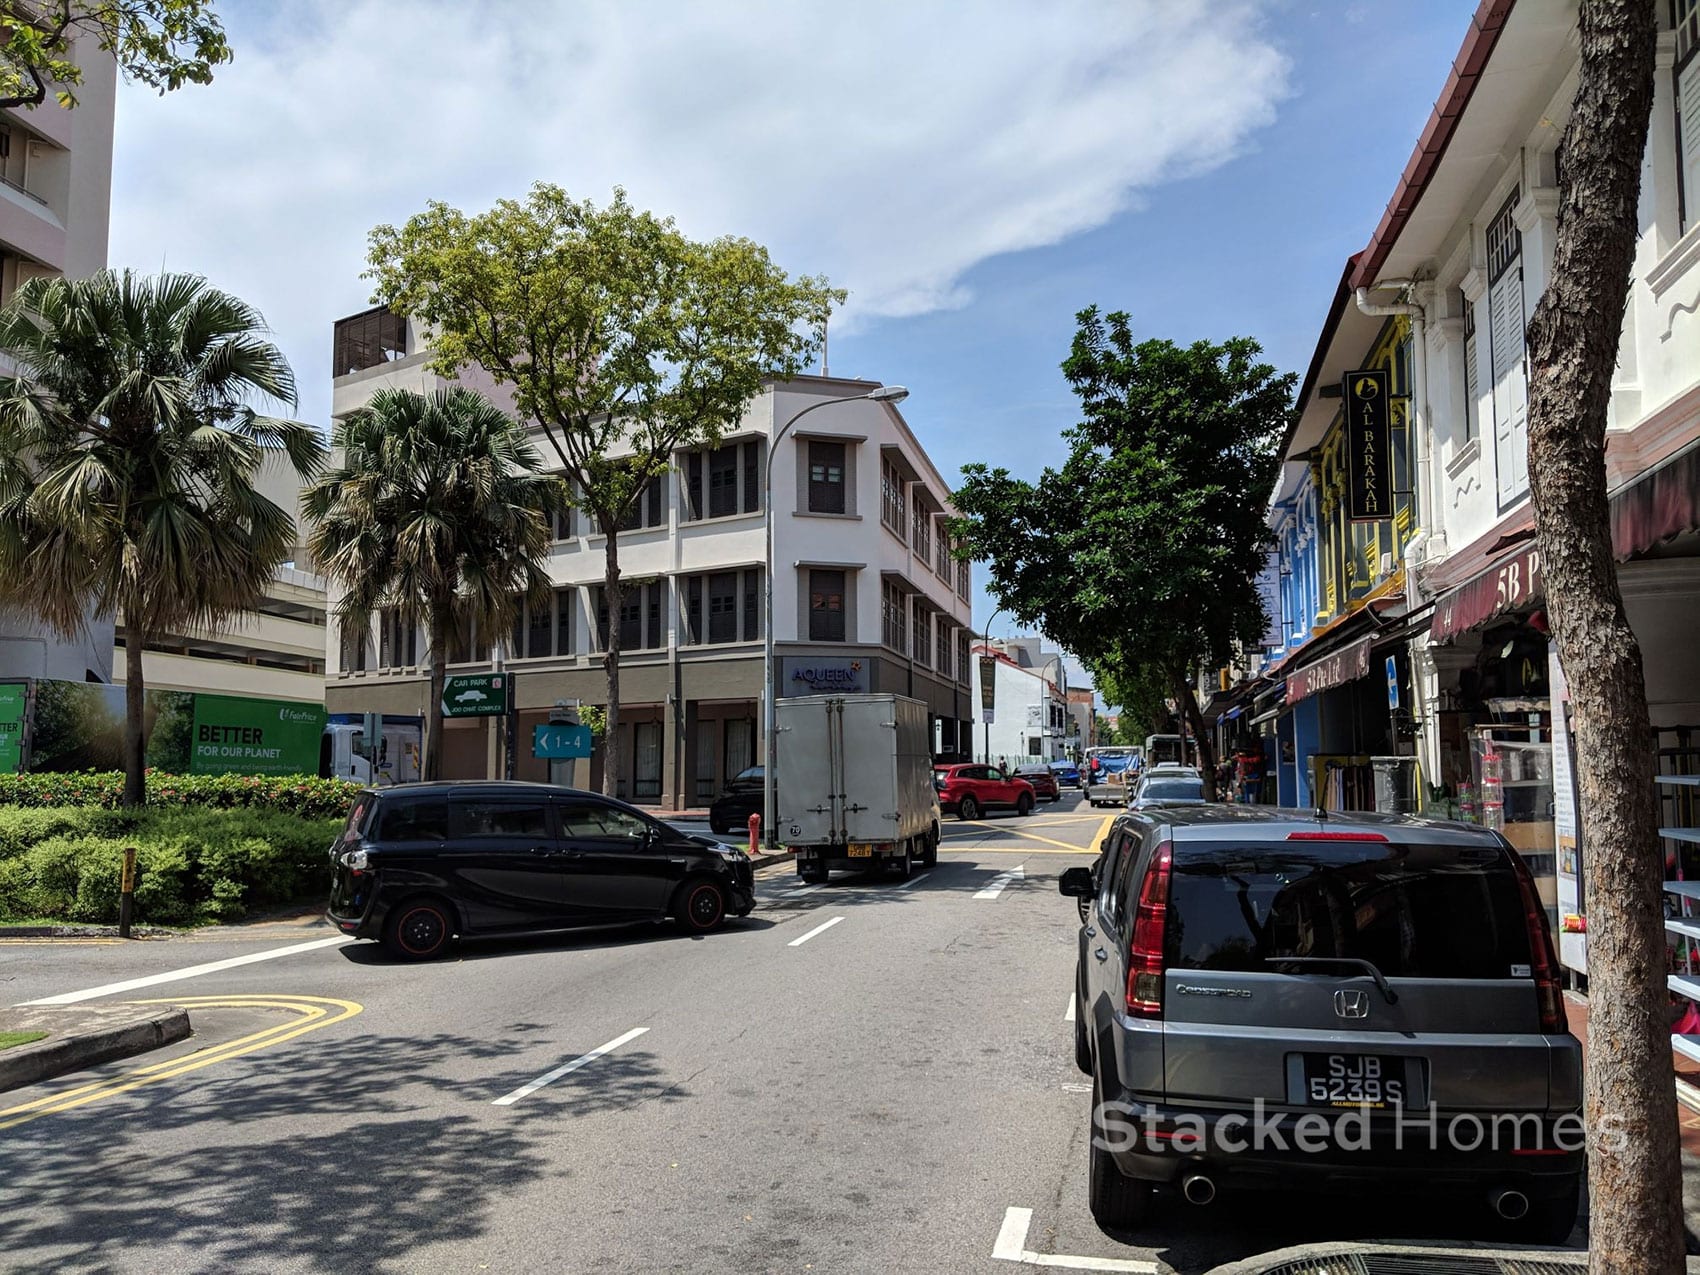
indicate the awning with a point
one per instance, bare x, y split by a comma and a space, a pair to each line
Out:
1346, 665
1661, 503
1232, 713
1507, 585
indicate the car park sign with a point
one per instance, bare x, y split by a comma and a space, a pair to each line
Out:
476, 695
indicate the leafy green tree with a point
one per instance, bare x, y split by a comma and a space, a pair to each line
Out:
164, 44
128, 459
437, 506
622, 338
1139, 554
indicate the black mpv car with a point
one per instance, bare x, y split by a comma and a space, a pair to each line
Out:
419, 864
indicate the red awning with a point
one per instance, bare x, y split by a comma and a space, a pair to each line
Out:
1346, 665
1512, 582
1662, 503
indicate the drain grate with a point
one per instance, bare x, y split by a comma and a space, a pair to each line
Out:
1437, 1262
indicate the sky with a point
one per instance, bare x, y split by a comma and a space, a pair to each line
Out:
973, 174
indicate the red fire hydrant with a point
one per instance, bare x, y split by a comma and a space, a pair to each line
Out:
755, 834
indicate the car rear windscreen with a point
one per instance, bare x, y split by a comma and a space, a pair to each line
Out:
1172, 790
1414, 911
413, 819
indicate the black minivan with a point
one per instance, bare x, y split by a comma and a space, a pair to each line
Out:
419, 864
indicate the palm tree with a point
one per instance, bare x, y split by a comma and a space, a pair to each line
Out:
440, 509
128, 456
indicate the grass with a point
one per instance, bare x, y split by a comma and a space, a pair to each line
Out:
8, 1039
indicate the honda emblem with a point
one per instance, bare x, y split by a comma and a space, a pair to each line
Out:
1351, 1004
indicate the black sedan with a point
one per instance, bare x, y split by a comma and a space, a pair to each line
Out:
732, 809
1044, 781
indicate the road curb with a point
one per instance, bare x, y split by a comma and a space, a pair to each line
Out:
1482, 1257
73, 1049
762, 860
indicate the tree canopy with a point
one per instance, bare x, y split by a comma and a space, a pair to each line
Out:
624, 339
1140, 552
164, 44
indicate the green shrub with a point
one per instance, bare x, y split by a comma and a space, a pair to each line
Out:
303, 795
194, 864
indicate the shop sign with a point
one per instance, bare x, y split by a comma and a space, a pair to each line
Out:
1369, 459
237, 736
823, 677
14, 697
1513, 584
1345, 665
988, 687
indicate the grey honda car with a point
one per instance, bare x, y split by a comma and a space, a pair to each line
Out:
1266, 998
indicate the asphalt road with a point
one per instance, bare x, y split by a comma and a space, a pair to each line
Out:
863, 1076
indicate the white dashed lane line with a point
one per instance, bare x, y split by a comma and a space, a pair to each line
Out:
1001, 882
819, 929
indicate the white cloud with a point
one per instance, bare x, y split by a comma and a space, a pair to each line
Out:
889, 145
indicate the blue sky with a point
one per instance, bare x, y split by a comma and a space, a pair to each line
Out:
974, 175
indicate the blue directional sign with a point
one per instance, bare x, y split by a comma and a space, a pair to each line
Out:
559, 742
1392, 682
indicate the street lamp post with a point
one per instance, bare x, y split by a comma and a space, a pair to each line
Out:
988, 645
770, 689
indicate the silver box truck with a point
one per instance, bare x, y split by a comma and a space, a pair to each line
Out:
855, 783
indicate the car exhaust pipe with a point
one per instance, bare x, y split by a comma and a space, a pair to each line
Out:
1513, 1206
1200, 1190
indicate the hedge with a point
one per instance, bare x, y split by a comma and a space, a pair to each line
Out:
196, 865
304, 795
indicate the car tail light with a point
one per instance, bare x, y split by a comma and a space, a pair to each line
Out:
1542, 960
1336, 836
1145, 951
356, 862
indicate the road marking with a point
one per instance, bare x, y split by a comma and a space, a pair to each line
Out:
192, 971
1033, 836
1011, 1246
998, 883
314, 1012
583, 1060
1069, 1017
817, 930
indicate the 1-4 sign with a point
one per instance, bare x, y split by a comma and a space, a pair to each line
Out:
476, 695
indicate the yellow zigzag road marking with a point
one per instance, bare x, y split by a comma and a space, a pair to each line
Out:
1031, 836
1003, 849
314, 1012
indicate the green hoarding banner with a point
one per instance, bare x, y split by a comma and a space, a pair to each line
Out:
235, 736
14, 696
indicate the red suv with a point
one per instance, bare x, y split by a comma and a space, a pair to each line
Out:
967, 791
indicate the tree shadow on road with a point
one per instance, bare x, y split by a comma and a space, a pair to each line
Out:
351, 1154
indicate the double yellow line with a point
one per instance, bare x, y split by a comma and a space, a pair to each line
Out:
311, 1013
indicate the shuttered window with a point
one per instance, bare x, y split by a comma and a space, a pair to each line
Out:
1505, 334
1687, 15
1472, 373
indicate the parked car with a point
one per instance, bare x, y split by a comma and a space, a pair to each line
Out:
732, 809
1067, 773
1044, 781
969, 791
420, 864
1239, 964
1167, 786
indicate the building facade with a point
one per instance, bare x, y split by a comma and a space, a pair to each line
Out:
55, 207
867, 595
1415, 665
1030, 717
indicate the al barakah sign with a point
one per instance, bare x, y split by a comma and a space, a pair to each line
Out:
1345, 665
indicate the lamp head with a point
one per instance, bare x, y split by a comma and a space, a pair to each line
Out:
888, 394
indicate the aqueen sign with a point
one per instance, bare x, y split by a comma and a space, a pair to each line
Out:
1345, 665
803, 676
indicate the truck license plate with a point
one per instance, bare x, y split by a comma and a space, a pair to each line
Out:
861, 851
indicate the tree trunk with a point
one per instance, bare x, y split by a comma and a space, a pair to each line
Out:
441, 622
614, 594
1195, 720
1634, 1172
135, 705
